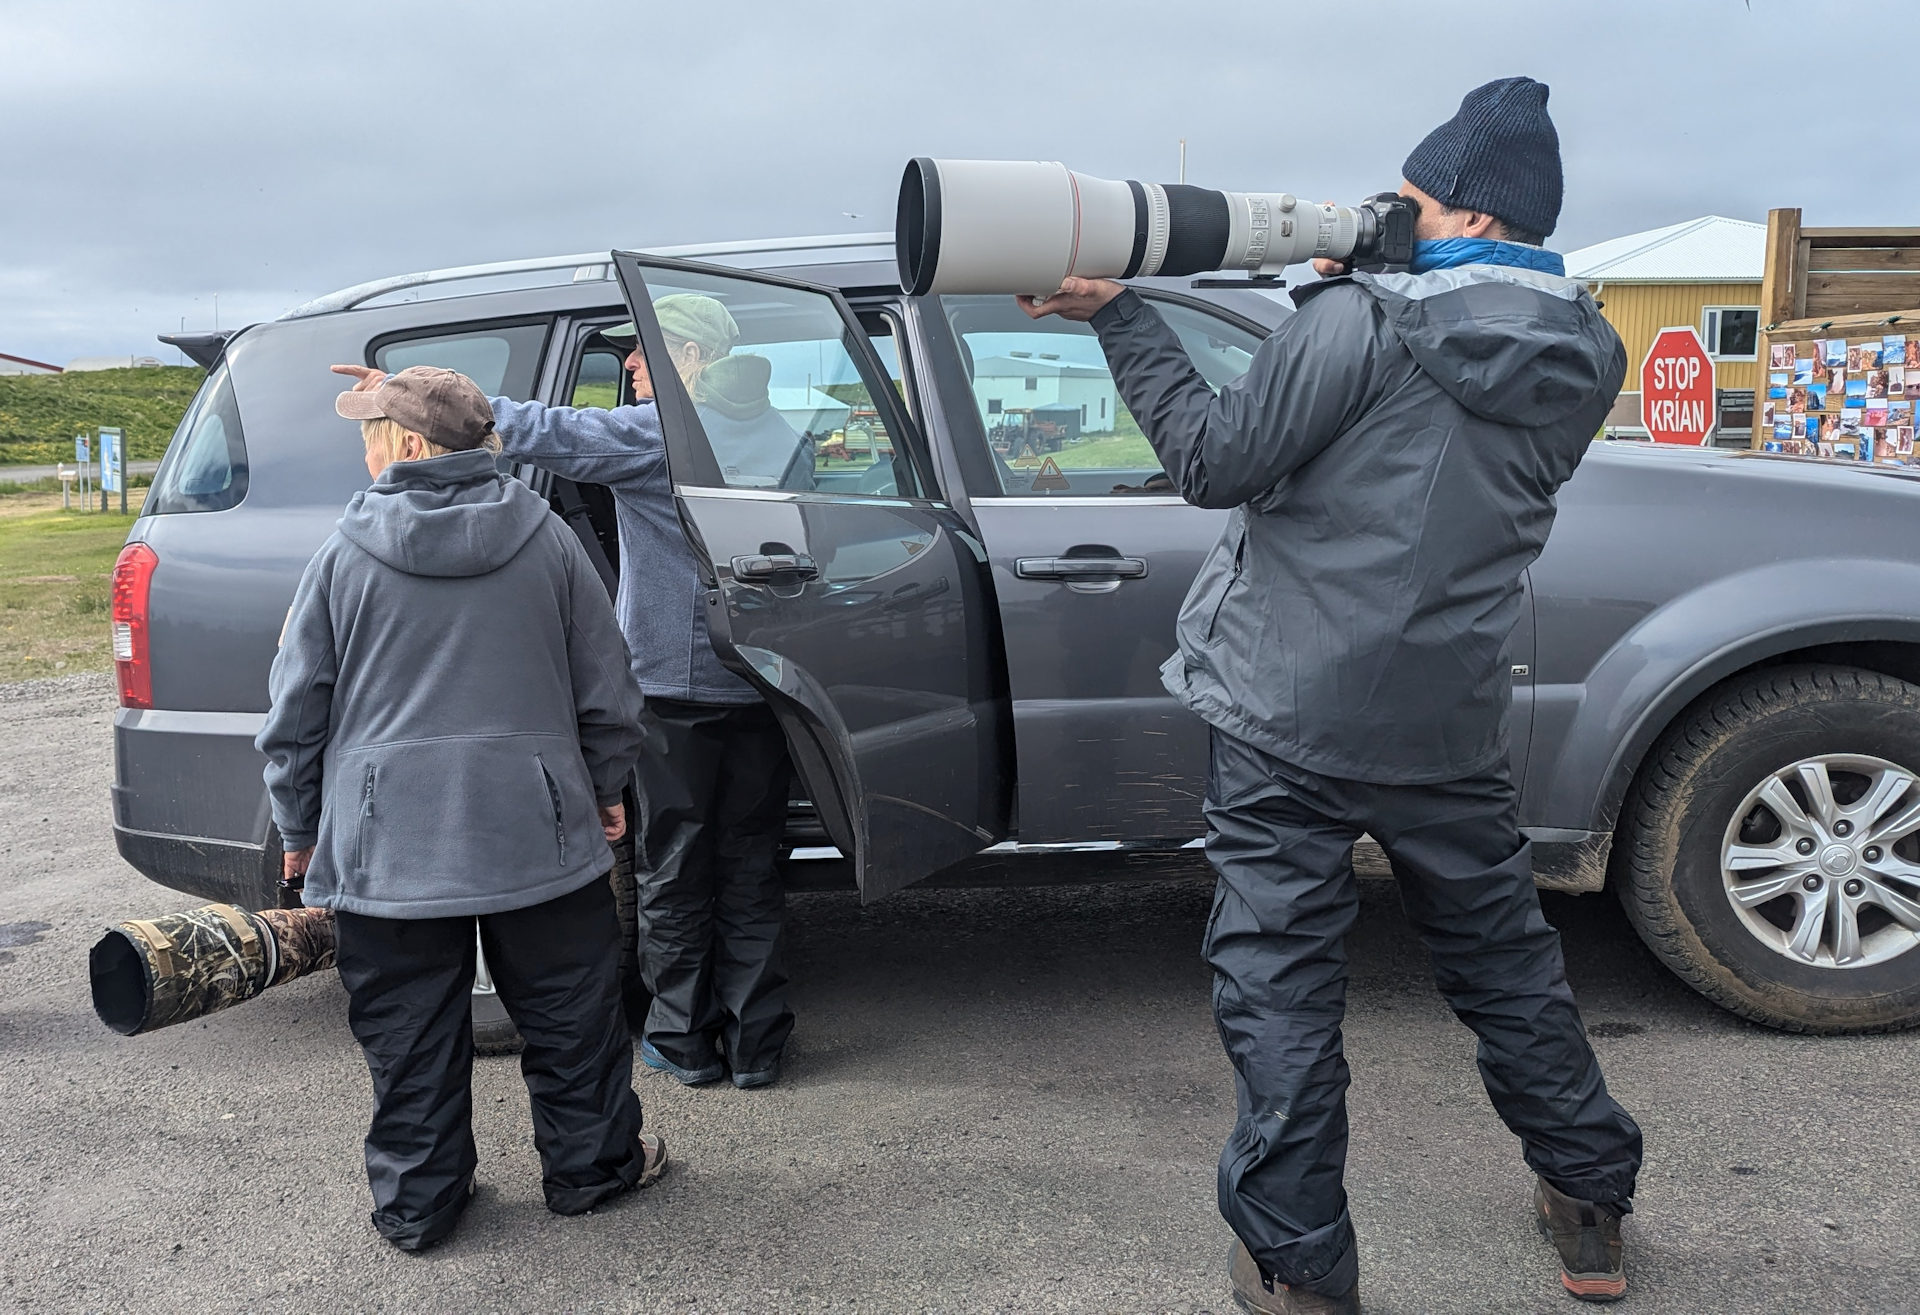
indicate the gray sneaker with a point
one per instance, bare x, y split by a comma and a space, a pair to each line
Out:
1587, 1236
1256, 1294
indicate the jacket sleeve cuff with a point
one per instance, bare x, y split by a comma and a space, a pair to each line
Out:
295, 840
608, 801
1118, 313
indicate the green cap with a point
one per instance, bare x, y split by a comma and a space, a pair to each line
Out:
690, 317
687, 317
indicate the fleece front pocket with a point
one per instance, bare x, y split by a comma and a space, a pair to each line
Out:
558, 810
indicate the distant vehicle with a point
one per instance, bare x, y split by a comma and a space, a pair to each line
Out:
1716, 675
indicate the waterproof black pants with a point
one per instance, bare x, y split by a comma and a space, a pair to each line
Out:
1281, 842
557, 968
713, 790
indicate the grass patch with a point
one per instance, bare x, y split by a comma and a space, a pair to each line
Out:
13, 488
40, 413
1108, 453
56, 569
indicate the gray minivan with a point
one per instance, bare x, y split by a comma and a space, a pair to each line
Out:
1716, 675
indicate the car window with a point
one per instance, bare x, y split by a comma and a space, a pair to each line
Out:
205, 468
1048, 408
780, 386
504, 359
597, 382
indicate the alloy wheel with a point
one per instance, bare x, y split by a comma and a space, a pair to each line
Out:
1822, 861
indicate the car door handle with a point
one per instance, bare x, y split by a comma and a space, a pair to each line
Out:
776, 568
1080, 568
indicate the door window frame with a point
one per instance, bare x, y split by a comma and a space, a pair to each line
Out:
472, 328
968, 435
676, 404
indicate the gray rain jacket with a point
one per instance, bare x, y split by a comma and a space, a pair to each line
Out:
1391, 456
451, 701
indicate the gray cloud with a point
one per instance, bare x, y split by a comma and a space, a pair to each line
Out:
156, 155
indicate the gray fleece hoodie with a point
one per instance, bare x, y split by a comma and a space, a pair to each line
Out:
451, 701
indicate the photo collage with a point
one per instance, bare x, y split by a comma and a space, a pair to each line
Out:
1843, 399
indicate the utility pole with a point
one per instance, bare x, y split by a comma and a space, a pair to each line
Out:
216, 312
1183, 160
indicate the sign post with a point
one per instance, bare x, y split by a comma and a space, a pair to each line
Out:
112, 467
83, 458
1677, 389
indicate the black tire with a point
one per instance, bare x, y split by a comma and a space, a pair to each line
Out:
494, 1032
1667, 862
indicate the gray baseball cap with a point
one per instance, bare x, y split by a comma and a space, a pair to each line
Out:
442, 406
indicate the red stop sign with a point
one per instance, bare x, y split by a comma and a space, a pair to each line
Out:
1676, 388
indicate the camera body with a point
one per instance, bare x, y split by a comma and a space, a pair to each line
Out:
985, 226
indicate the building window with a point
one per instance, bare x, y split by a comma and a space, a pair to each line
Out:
1033, 384
1732, 333
993, 406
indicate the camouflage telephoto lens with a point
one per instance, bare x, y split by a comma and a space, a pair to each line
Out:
153, 973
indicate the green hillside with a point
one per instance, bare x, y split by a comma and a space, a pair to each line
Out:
40, 413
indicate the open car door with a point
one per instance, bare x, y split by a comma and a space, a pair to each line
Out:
839, 584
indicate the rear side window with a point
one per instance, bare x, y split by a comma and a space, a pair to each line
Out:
504, 359
205, 468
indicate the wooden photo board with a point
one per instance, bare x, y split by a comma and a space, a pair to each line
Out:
1839, 342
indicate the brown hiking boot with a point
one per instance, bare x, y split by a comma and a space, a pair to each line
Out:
1587, 1236
1253, 1295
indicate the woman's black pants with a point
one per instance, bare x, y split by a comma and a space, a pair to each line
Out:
713, 787
557, 967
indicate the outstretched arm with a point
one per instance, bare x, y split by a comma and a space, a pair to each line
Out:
588, 445
1307, 384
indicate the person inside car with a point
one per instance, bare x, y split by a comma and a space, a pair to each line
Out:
433, 771
1391, 459
713, 786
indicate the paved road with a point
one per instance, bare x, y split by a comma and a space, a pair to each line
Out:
28, 474
996, 1101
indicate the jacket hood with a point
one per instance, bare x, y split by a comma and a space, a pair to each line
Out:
451, 515
1515, 346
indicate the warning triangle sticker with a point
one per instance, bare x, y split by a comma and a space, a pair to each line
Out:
1050, 480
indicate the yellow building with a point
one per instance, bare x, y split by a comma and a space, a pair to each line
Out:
1705, 273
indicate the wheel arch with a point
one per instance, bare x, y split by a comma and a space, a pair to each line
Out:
1682, 652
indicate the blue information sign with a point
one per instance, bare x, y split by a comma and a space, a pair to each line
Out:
109, 460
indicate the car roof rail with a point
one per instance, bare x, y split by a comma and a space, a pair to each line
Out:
550, 271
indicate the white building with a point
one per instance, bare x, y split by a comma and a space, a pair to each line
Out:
809, 410
112, 362
23, 365
1020, 381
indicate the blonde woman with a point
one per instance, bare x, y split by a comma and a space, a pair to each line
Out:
452, 725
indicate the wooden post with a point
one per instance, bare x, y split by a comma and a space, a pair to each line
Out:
1776, 298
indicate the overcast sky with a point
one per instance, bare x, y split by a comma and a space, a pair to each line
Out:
158, 154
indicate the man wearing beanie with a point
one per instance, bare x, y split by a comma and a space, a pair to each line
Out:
1391, 459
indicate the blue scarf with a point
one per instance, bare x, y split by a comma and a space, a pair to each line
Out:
1447, 252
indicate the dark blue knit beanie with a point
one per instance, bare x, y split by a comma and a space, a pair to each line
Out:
1499, 155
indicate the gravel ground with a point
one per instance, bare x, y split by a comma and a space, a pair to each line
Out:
996, 1101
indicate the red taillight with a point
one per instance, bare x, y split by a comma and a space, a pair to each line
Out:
132, 578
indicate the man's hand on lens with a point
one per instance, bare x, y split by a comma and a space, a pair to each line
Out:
1078, 299
367, 377
293, 866
613, 821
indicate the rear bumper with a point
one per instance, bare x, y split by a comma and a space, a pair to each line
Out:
189, 805
205, 869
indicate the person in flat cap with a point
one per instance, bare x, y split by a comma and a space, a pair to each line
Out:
712, 786
1391, 462
452, 727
